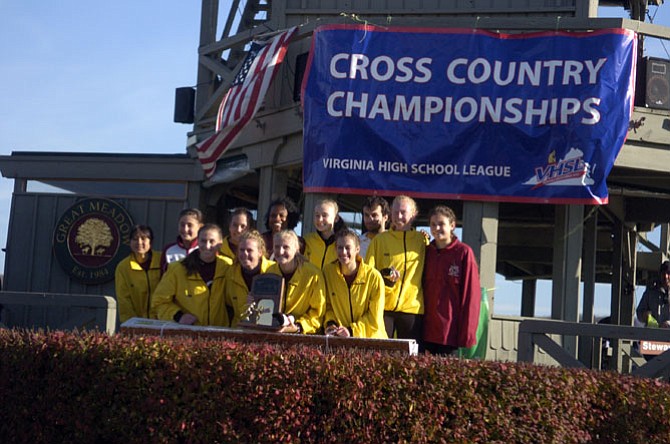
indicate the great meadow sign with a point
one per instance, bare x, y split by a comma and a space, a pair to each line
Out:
91, 238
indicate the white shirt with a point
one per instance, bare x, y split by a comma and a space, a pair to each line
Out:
365, 243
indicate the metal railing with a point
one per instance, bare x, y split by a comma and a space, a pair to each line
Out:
534, 333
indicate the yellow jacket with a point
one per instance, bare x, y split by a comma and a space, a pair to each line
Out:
359, 307
236, 290
135, 286
317, 252
304, 296
404, 250
226, 251
179, 291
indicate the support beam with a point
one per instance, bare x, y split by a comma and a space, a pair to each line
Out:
586, 9
480, 232
627, 313
628, 268
664, 241
615, 304
586, 344
528, 296
205, 89
589, 265
567, 268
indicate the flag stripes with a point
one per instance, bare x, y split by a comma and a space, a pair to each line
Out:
244, 98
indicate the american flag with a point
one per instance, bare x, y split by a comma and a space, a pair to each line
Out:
244, 97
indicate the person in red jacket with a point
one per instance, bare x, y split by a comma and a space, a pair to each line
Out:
451, 288
189, 222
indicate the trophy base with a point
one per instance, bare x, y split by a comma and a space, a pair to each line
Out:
255, 326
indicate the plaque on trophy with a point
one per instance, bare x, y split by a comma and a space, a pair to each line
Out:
264, 303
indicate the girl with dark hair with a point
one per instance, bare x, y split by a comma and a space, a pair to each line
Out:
451, 288
240, 221
136, 277
282, 214
189, 222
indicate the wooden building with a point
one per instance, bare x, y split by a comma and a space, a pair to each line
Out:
574, 246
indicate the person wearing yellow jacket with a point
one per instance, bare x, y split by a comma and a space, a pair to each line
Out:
398, 255
304, 296
191, 291
137, 276
240, 221
250, 262
354, 293
320, 245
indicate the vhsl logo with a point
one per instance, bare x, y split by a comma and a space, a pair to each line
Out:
570, 171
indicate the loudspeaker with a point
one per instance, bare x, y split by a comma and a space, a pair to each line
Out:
300, 65
654, 92
184, 105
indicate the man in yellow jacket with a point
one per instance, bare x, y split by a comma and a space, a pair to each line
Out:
398, 255
354, 293
191, 291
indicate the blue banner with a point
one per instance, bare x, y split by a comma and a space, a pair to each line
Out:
466, 114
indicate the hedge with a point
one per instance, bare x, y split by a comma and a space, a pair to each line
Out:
93, 388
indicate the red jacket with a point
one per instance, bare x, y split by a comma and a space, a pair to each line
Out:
452, 295
176, 251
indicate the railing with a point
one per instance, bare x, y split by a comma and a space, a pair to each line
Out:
57, 311
534, 333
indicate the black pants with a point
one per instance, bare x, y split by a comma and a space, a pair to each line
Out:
404, 325
439, 349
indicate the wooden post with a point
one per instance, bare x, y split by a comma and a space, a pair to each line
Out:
206, 85
528, 295
615, 305
567, 268
480, 232
664, 241
586, 344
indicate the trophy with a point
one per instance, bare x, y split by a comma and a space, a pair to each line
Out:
264, 303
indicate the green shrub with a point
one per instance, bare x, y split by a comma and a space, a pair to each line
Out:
92, 388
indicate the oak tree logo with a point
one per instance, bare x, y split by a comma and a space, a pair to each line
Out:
91, 238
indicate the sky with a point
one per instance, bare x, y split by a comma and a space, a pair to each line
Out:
101, 76
82, 76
